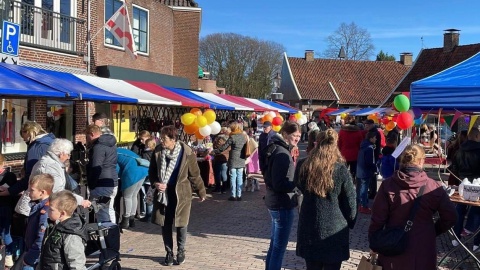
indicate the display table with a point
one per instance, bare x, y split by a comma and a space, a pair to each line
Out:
206, 171
457, 199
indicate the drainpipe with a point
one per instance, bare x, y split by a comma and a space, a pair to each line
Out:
88, 35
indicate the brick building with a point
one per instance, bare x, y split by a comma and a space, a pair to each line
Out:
166, 34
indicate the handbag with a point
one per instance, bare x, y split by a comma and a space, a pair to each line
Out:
23, 204
393, 241
369, 263
247, 150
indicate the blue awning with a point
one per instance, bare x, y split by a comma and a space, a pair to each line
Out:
273, 104
14, 84
455, 88
70, 85
190, 95
362, 112
340, 111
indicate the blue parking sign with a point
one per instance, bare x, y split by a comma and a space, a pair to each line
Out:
10, 38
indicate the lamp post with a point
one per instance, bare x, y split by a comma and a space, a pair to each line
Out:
277, 80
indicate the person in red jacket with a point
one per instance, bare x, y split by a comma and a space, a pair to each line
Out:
350, 137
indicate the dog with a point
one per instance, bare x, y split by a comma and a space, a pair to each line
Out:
251, 184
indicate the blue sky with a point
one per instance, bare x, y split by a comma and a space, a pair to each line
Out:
395, 26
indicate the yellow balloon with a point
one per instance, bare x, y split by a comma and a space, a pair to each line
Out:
343, 115
276, 128
210, 115
188, 118
298, 115
201, 121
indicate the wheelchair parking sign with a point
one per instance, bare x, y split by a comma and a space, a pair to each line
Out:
10, 38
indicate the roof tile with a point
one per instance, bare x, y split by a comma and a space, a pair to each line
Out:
356, 82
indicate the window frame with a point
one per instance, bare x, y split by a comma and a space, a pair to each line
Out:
113, 46
147, 31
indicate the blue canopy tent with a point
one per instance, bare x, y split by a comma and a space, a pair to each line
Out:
457, 87
190, 95
276, 105
340, 111
67, 83
13, 84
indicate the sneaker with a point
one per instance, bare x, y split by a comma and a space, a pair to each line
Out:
8, 261
180, 256
168, 259
455, 243
232, 199
239, 198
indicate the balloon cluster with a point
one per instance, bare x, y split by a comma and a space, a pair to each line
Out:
202, 124
273, 117
298, 117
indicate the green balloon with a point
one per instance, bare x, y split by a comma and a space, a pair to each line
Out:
402, 103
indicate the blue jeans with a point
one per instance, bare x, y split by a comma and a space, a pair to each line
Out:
362, 191
5, 224
105, 214
28, 267
130, 199
220, 173
236, 182
473, 220
282, 221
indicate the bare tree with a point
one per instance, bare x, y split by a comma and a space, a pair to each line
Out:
355, 40
243, 65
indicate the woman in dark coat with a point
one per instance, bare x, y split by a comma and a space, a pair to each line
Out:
392, 206
279, 197
329, 209
173, 170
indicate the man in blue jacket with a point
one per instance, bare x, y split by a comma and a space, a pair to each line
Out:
366, 170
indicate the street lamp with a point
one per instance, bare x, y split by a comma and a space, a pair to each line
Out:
277, 80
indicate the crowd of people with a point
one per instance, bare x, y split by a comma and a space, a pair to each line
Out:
329, 187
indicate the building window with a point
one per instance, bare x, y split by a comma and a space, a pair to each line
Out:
140, 29
111, 6
46, 22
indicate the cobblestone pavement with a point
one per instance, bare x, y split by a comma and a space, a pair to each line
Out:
233, 235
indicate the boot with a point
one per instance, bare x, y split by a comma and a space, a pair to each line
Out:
124, 223
131, 222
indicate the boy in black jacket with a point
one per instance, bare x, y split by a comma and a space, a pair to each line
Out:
64, 241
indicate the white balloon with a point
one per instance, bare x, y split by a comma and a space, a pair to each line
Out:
205, 131
215, 128
272, 114
304, 118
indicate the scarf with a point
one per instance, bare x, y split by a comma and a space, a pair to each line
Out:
166, 172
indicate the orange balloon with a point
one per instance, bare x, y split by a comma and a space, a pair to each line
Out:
268, 118
196, 111
390, 125
198, 135
190, 129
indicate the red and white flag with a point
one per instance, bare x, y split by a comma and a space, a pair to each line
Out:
119, 26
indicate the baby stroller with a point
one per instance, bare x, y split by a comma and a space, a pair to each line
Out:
103, 238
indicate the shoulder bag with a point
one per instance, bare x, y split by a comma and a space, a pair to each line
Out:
393, 241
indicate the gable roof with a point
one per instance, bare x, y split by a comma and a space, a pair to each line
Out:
355, 82
432, 61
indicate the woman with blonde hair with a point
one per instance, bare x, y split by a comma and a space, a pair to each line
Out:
236, 159
393, 204
38, 141
329, 205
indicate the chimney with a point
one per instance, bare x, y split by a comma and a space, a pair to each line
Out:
309, 55
450, 39
406, 58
